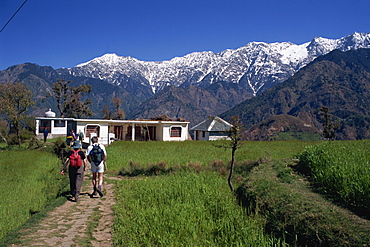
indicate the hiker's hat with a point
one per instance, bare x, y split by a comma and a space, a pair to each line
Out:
76, 144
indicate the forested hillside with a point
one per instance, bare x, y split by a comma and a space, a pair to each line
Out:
338, 80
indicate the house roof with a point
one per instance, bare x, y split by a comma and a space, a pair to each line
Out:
213, 124
138, 121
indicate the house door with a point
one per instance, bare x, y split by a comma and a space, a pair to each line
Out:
118, 132
150, 133
71, 125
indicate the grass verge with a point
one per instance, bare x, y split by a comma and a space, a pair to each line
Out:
30, 181
295, 213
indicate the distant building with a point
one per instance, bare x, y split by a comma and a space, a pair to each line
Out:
211, 129
110, 130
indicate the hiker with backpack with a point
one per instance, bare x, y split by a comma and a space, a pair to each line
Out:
97, 156
80, 136
77, 161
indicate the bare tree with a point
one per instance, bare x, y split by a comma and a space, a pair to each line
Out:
235, 136
107, 114
118, 113
60, 93
234, 133
69, 99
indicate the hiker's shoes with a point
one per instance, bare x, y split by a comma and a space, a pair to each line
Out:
99, 190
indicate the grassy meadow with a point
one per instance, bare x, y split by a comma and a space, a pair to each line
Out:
191, 204
187, 208
293, 212
121, 154
148, 208
29, 180
341, 170
183, 209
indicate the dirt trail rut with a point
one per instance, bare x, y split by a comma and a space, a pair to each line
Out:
85, 223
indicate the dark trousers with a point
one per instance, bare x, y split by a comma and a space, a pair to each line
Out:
76, 176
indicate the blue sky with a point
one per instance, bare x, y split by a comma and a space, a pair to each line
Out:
65, 33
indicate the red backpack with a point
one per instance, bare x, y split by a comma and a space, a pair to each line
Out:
75, 159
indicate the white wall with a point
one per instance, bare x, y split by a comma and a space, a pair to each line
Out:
215, 138
103, 131
163, 129
167, 131
55, 131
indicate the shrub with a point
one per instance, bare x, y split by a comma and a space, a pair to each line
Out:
60, 148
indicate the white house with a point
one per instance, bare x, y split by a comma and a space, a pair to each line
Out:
211, 129
110, 130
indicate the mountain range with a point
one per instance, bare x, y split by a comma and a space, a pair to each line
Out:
256, 66
338, 80
191, 87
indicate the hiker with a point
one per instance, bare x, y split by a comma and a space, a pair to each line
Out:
97, 156
46, 132
73, 134
71, 138
77, 161
80, 136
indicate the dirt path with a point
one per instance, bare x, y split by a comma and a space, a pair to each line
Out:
85, 223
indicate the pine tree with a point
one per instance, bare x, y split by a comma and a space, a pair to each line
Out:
329, 127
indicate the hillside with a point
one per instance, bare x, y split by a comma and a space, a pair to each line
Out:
192, 103
271, 129
201, 84
338, 80
39, 80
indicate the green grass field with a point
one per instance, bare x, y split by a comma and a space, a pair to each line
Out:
297, 225
203, 152
29, 180
183, 209
195, 207
295, 213
342, 170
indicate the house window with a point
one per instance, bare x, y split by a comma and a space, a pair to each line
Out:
59, 123
92, 129
203, 134
175, 132
45, 125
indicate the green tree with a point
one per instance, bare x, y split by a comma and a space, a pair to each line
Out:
69, 99
329, 126
15, 100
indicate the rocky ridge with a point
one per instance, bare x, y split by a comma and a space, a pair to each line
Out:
256, 66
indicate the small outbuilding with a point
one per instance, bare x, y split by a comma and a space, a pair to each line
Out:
211, 129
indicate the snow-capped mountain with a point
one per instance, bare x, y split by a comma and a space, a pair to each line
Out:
257, 66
